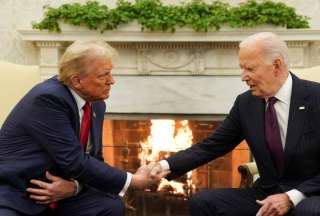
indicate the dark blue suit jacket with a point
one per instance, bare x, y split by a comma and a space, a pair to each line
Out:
246, 121
42, 133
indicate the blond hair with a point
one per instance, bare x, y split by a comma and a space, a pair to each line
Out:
76, 58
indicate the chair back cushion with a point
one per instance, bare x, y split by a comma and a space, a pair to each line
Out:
312, 74
16, 80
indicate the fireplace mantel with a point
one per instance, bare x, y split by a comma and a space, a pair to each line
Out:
133, 34
184, 72
303, 43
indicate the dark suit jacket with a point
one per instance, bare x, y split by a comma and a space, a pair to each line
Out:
42, 133
246, 121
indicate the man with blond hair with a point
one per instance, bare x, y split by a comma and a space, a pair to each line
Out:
52, 139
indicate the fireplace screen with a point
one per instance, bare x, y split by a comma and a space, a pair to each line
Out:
128, 144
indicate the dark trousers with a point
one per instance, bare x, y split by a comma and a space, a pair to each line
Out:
241, 202
12, 212
91, 202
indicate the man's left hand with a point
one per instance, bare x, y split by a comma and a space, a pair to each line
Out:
274, 205
58, 189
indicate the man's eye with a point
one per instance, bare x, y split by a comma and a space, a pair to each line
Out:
102, 77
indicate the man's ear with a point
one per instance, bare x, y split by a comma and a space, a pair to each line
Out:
75, 82
277, 64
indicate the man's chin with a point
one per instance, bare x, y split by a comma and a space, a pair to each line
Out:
255, 93
102, 97
106, 96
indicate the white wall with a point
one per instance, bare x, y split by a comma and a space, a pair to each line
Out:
17, 14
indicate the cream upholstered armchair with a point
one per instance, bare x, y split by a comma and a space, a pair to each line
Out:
15, 81
249, 171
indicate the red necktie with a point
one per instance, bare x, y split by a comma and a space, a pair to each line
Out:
53, 205
85, 124
272, 134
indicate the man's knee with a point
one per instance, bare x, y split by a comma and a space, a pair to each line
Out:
309, 206
198, 200
8, 212
224, 202
195, 204
208, 197
202, 203
92, 202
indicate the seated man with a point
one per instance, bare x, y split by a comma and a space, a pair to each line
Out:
279, 119
56, 129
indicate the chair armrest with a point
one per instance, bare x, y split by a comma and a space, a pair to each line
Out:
247, 172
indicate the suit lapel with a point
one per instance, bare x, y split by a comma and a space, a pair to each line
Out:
72, 103
298, 108
75, 111
257, 118
93, 129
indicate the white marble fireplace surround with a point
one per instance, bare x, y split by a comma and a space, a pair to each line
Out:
181, 73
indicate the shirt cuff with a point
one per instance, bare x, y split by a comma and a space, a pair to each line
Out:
164, 165
126, 185
295, 196
78, 187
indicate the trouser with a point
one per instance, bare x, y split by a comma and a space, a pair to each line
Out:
12, 212
242, 202
91, 202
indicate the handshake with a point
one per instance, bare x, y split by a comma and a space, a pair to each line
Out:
148, 175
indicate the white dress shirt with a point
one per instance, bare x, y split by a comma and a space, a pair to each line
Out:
282, 110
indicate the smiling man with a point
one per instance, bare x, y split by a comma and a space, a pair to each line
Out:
279, 119
52, 139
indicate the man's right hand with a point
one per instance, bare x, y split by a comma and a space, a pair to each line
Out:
157, 173
142, 178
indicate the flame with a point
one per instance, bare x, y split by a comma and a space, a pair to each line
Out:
167, 136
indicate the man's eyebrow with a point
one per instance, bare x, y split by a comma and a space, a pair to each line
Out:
104, 72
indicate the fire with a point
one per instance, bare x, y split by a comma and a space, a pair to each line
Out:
167, 136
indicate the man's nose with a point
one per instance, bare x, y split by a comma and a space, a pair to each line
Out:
111, 81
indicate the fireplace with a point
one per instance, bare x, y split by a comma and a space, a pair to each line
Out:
130, 143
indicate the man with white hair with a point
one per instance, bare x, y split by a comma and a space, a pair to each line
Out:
279, 118
55, 133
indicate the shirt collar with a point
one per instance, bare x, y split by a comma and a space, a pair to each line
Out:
79, 101
284, 93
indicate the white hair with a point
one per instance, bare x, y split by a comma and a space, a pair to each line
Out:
272, 46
